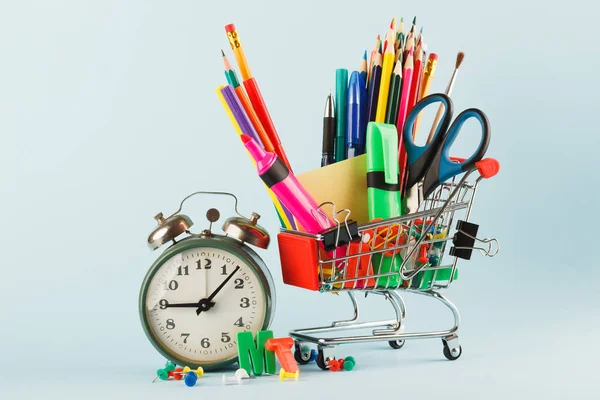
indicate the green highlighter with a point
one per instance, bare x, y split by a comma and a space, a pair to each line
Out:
383, 189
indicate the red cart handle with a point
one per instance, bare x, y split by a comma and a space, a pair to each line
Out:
487, 167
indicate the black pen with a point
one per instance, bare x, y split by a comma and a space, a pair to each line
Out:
328, 133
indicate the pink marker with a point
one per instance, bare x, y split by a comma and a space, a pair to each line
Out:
286, 187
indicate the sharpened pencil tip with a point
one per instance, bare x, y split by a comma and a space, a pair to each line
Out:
459, 58
365, 55
415, 20
222, 53
401, 19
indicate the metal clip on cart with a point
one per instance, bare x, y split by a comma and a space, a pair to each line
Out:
387, 257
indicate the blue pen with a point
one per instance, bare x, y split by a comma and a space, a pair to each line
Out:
357, 115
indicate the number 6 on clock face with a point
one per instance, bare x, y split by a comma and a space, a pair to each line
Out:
199, 294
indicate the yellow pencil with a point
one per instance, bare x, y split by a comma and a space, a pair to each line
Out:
386, 75
282, 216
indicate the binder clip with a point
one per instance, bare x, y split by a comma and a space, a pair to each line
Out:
340, 234
464, 240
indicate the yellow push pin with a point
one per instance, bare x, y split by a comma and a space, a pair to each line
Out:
283, 374
199, 371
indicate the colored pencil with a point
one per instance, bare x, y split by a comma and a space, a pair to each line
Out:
416, 78
394, 97
363, 67
428, 74
438, 117
402, 113
400, 28
232, 79
285, 217
386, 74
373, 92
254, 94
372, 58
408, 46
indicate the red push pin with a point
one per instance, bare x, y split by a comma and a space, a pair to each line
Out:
177, 374
423, 254
334, 365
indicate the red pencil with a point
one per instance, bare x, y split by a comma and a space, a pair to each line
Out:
254, 94
416, 78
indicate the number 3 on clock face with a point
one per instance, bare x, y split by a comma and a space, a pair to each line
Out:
199, 294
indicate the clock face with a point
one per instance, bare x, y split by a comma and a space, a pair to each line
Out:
197, 302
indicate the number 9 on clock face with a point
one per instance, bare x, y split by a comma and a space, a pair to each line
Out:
199, 294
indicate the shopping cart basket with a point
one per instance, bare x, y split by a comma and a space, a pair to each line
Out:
399, 255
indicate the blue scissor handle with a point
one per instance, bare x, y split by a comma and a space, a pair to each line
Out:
420, 157
449, 168
442, 167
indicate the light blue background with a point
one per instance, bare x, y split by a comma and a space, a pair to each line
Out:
108, 115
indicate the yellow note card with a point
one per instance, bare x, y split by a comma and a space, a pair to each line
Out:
344, 184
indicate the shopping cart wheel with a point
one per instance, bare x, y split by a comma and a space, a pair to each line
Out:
301, 353
321, 360
396, 344
448, 354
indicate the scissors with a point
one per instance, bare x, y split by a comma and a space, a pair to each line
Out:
432, 162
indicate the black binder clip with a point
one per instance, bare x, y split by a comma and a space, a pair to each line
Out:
340, 234
464, 240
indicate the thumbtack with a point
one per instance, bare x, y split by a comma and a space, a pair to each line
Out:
334, 365
199, 371
283, 374
165, 372
349, 363
239, 375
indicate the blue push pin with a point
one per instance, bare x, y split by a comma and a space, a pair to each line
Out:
313, 355
190, 379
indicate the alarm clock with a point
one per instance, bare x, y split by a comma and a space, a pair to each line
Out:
205, 288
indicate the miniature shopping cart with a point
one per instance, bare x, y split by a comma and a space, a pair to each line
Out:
386, 257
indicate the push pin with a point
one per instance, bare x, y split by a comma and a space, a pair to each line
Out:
239, 375
284, 375
165, 373
190, 377
349, 363
199, 371
334, 365
178, 374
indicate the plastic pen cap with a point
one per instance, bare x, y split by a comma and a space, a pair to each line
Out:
356, 119
382, 150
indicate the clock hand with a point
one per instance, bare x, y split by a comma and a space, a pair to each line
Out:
180, 305
205, 307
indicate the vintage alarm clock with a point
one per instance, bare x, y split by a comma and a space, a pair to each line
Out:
205, 288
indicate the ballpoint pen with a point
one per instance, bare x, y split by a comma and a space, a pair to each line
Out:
328, 150
357, 116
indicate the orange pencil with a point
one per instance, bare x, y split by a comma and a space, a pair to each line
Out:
254, 94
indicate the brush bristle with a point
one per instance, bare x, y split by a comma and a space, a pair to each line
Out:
459, 59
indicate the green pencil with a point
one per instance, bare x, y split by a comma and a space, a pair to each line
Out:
394, 95
230, 74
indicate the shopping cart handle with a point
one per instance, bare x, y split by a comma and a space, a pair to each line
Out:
488, 167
